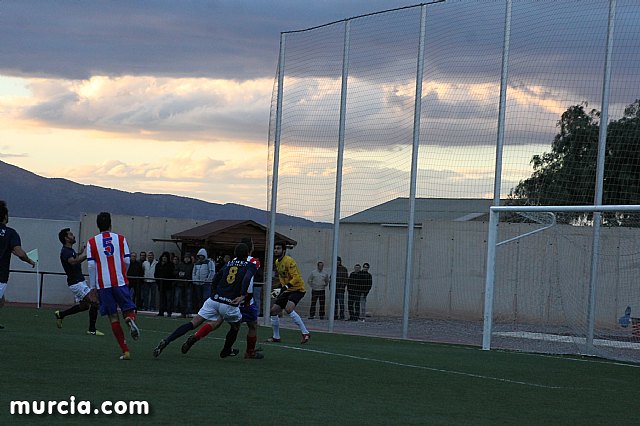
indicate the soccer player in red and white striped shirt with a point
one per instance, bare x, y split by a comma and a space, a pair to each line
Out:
108, 259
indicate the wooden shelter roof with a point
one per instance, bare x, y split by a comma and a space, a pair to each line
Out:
229, 233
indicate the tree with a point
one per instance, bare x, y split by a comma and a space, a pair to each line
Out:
567, 174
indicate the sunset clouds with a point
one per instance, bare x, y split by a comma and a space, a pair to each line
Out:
162, 97
153, 107
175, 97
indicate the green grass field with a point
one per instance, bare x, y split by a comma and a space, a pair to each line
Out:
335, 379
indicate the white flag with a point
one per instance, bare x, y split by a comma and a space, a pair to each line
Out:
33, 255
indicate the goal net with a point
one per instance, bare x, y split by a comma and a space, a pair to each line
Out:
558, 284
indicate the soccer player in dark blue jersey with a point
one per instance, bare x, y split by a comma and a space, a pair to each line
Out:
232, 284
85, 297
249, 312
9, 244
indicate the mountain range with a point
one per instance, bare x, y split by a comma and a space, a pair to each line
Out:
32, 196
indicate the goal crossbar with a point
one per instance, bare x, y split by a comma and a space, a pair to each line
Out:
574, 209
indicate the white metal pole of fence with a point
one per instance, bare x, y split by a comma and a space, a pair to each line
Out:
599, 190
497, 183
492, 243
414, 174
492, 238
266, 308
339, 163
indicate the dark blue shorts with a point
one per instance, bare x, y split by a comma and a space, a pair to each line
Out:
112, 297
249, 313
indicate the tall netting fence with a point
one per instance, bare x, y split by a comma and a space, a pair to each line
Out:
344, 135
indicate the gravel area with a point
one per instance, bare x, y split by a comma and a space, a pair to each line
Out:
616, 344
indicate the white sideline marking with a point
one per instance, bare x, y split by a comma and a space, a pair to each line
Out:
399, 364
568, 339
421, 367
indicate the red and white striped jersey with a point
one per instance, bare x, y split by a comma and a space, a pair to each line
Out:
255, 261
108, 251
249, 300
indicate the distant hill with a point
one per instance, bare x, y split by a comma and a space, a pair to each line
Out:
30, 195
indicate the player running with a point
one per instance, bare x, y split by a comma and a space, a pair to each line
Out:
108, 258
86, 298
231, 284
249, 312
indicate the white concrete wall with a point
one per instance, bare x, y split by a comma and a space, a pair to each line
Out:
541, 279
141, 230
43, 235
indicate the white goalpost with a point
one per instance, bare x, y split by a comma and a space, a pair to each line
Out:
559, 286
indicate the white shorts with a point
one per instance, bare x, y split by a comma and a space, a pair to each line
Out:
80, 290
212, 311
3, 287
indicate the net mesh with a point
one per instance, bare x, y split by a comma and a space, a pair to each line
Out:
556, 54
555, 101
543, 287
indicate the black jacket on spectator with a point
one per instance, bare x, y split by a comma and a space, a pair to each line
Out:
184, 271
360, 282
164, 270
367, 282
342, 278
135, 270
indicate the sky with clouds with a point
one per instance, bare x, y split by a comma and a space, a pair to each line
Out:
175, 97
151, 96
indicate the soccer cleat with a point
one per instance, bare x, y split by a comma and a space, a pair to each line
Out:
158, 349
135, 331
191, 340
58, 319
305, 338
95, 333
273, 340
126, 356
228, 353
255, 355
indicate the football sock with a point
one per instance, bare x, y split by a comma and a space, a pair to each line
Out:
230, 338
93, 316
117, 331
203, 331
275, 324
72, 310
180, 331
298, 321
251, 344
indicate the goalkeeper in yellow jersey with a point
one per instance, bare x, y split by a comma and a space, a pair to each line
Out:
289, 294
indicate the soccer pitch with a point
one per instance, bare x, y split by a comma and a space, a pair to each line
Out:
335, 379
